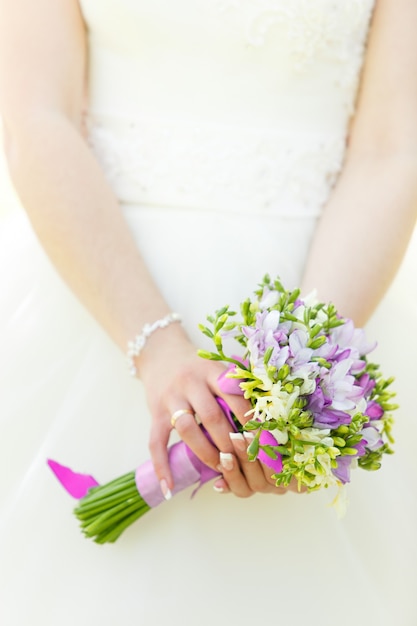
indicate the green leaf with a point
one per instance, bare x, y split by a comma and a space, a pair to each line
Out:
253, 449
270, 451
213, 356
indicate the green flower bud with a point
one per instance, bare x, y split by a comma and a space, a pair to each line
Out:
349, 452
316, 343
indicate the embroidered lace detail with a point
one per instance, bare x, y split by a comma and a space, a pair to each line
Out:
313, 26
212, 167
314, 30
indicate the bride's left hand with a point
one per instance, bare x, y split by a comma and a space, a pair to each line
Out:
244, 478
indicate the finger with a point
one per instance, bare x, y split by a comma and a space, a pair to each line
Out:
258, 480
213, 419
241, 408
238, 405
252, 470
234, 478
158, 447
178, 413
190, 432
220, 486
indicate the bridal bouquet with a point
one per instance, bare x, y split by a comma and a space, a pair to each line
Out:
319, 407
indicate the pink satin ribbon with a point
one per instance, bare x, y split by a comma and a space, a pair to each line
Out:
187, 469
77, 485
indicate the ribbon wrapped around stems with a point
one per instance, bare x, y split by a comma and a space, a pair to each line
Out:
105, 511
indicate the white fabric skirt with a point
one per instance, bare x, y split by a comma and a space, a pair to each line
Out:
65, 394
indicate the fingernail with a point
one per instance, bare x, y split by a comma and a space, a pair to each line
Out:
165, 489
249, 436
238, 440
226, 460
218, 489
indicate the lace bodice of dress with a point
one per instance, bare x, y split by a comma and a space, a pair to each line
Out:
238, 105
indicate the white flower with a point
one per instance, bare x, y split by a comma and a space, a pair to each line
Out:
317, 435
318, 465
281, 436
308, 385
306, 457
269, 299
276, 405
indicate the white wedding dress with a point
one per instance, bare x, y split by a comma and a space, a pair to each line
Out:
221, 126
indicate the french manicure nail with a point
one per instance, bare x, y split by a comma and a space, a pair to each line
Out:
236, 436
218, 489
226, 460
239, 440
249, 436
165, 489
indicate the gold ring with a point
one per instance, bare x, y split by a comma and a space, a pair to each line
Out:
178, 414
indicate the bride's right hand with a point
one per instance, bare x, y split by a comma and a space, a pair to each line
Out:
176, 378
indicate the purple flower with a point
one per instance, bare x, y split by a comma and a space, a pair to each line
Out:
339, 385
342, 355
356, 365
300, 354
361, 448
342, 471
267, 333
316, 401
374, 410
332, 418
325, 415
327, 351
367, 383
347, 336
299, 358
372, 437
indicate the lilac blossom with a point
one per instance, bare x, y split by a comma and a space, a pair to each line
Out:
267, 333
347, 336
300, 354
374, 410
372, 437
367, 384
361, 448
339, 385
300, 360
324, 415
342, 471
327, 351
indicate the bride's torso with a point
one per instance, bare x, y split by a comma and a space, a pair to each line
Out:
226, 104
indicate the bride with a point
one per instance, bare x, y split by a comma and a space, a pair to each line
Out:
167, 156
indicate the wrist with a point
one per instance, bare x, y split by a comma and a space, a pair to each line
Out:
137, 345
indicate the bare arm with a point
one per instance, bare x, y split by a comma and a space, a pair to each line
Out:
367, 224
77, 218
72, 209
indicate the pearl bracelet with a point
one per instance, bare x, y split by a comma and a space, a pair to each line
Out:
135, 347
